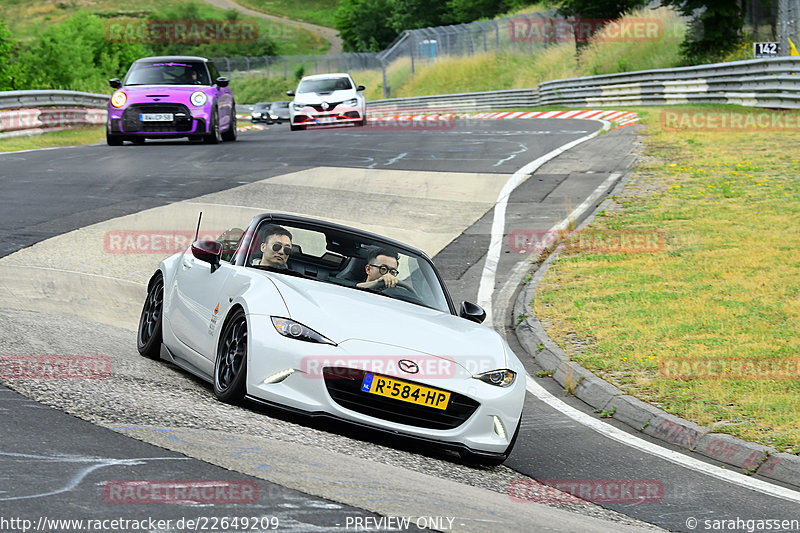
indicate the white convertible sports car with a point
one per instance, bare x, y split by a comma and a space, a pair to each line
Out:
322, 319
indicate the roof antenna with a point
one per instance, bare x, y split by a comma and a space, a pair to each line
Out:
197, 232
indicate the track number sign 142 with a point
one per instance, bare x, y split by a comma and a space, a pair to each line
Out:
766, 49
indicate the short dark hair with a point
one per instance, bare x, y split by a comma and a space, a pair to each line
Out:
273, 229
375, 252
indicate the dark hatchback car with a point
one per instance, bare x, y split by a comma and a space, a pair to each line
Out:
260, 112
279, 112
169, 97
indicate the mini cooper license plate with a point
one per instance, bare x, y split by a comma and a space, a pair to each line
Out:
406, 392
155, 117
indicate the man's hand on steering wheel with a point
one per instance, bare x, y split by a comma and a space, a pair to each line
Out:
387, 281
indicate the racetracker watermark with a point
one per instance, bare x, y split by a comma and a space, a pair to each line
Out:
527, 241
405, 366
733, 120
55, 367
181, 492
582, 30
586, 490
412, 120
154, 241
181, 31
767, 369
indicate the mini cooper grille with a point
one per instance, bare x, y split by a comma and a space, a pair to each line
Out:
344, 386
182, 118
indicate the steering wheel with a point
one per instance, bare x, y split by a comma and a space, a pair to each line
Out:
399, 285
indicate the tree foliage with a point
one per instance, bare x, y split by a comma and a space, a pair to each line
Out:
74, 55
716, 28
364, 25
371, 25
597, 9
7, 68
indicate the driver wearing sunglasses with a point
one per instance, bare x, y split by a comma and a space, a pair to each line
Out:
276, 248
381, 269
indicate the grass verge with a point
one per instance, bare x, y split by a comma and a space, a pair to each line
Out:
707, 326
76, 137
320, 12
25, 17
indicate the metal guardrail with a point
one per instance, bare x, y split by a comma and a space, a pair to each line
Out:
24, 112
30, 99
463, 102
758, 83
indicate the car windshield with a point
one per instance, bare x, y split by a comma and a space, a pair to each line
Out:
168, 73
340, 258
280, 105
261, 106
324, 85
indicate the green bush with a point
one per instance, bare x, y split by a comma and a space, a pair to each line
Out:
74, 55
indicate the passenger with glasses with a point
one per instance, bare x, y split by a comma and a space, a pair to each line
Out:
276, 248
381, 269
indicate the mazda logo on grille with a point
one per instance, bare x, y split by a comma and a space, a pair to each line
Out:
407, 366
325, 105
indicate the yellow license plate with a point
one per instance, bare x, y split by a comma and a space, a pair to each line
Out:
406, 392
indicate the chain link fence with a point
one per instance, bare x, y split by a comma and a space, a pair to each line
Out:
526, 33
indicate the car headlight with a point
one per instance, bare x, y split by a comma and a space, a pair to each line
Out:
296, 330
501, 378
273, 117
118, 99
351, 103
297, 106
198, 98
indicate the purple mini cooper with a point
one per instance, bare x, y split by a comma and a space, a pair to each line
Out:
171, 96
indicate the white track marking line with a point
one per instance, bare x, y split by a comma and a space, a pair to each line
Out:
678, 458
507, 291
489, 273
65, 271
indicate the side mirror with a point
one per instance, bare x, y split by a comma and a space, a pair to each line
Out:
208, 252
360, 88
289, 93
115, 83
223, 82
472, 311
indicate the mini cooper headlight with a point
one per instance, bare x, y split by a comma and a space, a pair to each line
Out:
199, 98
118, 99
296, 330
501, 378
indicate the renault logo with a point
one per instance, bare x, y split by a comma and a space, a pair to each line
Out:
410, 367
325, 105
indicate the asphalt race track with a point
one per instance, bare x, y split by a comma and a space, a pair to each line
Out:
72, 284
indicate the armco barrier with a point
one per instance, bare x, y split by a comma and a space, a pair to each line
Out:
771, 82
760, 82
31, 99
38, 111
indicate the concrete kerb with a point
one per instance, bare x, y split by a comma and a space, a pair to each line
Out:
750, 457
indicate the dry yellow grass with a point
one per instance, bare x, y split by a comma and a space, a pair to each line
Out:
725, 286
